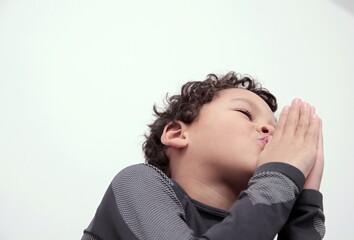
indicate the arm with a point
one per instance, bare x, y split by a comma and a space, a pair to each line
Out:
306, 220
262, 209
139, 204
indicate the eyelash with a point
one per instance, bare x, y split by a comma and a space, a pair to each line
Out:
246, 112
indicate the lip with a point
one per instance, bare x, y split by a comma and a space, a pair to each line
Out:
263, 141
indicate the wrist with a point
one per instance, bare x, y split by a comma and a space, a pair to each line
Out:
312, 185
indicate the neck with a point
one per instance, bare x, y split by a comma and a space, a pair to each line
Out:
218, 188
213, 194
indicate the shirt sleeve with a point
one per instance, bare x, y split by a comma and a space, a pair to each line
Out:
140, 204
306, 220
264, 207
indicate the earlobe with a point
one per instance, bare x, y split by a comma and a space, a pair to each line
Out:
174, 135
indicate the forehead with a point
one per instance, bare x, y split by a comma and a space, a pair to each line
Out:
244, 97
235, 93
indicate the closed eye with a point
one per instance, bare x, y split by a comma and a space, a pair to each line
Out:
246, 112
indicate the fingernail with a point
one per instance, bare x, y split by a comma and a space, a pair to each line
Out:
286, 108
296, 101
305, 105
314, 116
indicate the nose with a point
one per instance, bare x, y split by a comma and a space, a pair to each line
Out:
269, 129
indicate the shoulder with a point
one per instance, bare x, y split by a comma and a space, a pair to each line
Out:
141, 200
141, 173
143, 181
144, 193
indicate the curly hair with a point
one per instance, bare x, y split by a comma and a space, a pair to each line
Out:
186, 106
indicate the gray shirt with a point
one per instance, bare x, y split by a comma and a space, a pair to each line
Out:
143, 203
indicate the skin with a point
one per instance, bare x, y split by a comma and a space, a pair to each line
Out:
214, 157
299, 133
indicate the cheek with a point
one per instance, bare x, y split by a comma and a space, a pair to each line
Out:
230, 137
223, 131
232, 130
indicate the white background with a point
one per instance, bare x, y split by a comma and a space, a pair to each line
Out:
78, 80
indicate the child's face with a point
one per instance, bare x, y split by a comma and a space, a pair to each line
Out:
225, 140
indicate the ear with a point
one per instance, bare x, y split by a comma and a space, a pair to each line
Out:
174, 135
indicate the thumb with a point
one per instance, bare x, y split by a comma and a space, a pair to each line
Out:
269, 139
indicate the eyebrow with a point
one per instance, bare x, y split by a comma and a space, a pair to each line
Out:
252, 105
245, 100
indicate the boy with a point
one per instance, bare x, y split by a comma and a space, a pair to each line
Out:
219, 166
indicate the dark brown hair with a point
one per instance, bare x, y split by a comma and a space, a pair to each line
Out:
185, 107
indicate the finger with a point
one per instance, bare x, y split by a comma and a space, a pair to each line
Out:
281, 123
293, 117
304, 121
313, 110
313, 132
314, 179
320, 143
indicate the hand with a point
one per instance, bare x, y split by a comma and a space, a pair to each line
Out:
295, 138
314, 179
